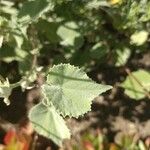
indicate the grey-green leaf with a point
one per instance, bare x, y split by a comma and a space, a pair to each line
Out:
47, 122
139, 38
70, 90
69, 35
5, 91
122, 56
132, 88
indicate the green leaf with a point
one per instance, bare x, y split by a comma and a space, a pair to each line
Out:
47, 122
69, 35
25, 64
7, 7
70, 90
34, 9
122, 55
139, 38
5, 91
124, 140
80, 58
132, 88
95, 4
7, 53
98, 51
49, 30
19, 40
142, 145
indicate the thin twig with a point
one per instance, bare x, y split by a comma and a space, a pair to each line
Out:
34, 43
34, 142
135, 78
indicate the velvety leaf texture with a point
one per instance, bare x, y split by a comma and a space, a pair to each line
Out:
70, 90
47, 122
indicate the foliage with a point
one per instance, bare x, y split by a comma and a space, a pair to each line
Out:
98, 141
69, 25
5, 91
83, 33
137, 84
47, 122
68, 91
16, 141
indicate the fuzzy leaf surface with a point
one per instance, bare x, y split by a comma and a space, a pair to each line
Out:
70, 90
47, 122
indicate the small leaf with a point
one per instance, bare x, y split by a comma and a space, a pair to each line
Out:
69, 35
47, 122
132, 88
70, 90
122, 56
34, 9
142, 145
95, 4
5, 91
139, 38
19, 40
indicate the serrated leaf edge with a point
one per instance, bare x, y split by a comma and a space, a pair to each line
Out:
70, 115
36, 124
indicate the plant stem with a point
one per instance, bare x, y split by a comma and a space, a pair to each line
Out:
137, 80
14, 85
34, 43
